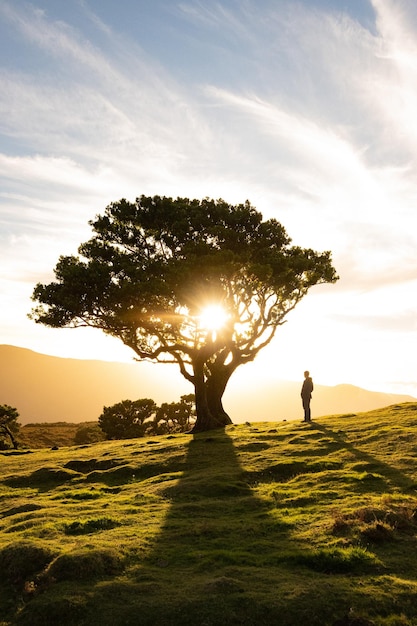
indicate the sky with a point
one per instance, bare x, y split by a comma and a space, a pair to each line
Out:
308, 109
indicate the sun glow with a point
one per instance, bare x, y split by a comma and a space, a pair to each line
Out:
212, 317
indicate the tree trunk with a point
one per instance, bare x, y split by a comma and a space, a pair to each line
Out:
208, 400
216, 386
10, 434
205, 420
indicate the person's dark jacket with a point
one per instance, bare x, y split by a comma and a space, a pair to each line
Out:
307, 388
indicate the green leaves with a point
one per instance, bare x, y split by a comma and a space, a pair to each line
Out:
153, 264
127, 418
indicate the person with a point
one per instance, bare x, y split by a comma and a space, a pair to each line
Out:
306, 391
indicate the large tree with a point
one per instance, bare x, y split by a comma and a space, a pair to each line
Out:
154, 266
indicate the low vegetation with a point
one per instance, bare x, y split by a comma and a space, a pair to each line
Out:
264, 523
57, 434
124, 420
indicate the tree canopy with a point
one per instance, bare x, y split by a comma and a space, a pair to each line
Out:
126, 419
175, 416
153, 269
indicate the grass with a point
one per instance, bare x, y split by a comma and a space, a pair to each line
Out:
256, 524
44, 435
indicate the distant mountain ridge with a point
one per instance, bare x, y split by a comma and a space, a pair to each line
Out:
50, 389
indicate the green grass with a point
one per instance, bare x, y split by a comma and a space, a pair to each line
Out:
260, 523
52, 434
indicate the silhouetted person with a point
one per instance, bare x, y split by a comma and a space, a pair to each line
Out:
306, 391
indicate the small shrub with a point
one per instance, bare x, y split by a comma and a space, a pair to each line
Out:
88, 433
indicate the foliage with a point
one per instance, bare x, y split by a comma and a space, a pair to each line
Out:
203, 524
130, 419
9, 426
175, 416
153, 266
88, 433
126, 419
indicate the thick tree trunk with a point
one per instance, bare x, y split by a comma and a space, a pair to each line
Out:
216, 386
208, 400
204, 419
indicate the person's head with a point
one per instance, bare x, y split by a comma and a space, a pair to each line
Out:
306, 374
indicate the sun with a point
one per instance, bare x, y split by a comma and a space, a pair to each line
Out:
212, 317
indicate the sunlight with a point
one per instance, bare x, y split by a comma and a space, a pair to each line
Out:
212, 317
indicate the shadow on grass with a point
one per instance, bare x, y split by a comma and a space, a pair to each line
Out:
216, 538
213, 549
222, 555
393, 479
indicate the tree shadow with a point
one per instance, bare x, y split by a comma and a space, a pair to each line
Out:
220, 549
394, 479
216, 538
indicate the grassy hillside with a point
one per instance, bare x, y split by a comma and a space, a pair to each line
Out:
53, 434
262, 523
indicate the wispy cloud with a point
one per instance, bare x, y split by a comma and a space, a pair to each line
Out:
307, 112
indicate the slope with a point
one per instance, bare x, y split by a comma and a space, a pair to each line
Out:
255, 524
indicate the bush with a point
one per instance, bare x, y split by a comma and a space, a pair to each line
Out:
88, 433
126, 419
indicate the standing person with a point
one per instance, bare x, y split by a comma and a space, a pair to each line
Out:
306, 391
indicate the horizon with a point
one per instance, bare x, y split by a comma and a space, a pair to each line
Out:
47, 389
305, 109
270, 379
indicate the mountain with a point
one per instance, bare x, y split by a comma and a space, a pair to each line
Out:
51, 389
281, 400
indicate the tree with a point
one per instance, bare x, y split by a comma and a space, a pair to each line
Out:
9, 426
88, 433
126, 419
175, 416
154, 265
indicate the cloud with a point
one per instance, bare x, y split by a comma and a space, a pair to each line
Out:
308, 113
402, 322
